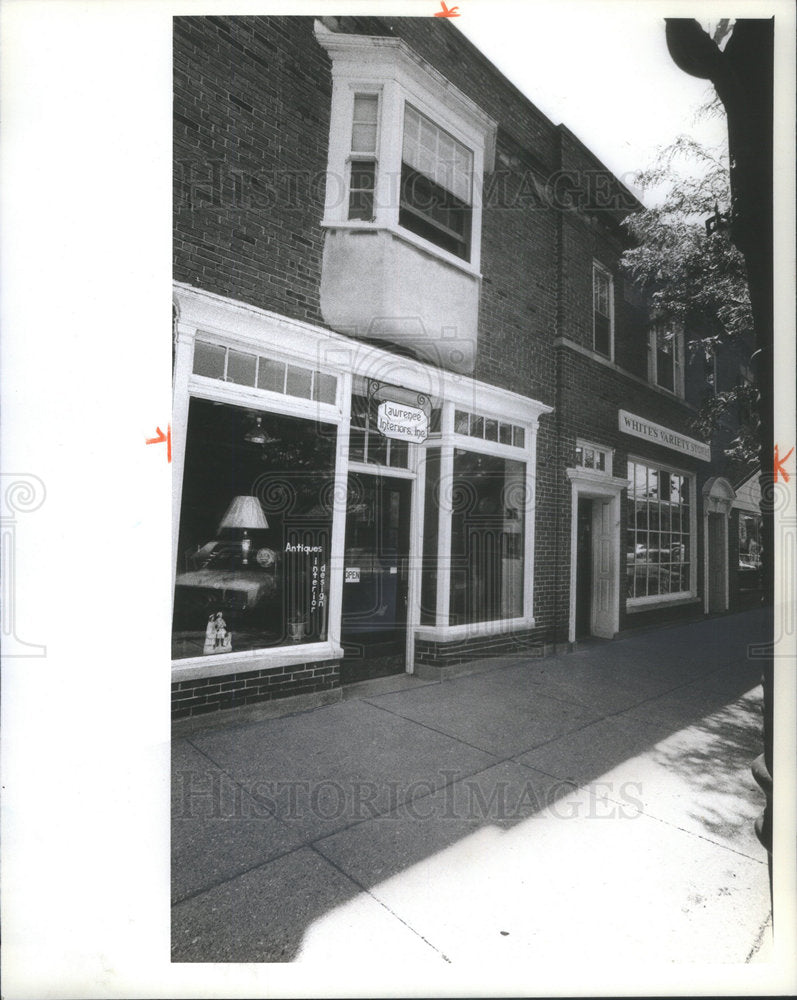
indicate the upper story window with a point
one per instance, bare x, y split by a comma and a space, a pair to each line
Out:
362, 164
407, 149
666, 354
602, 311
436, 184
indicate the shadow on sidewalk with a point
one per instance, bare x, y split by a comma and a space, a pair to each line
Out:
277, 823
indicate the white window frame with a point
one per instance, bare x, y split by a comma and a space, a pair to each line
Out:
363, 64
599, 269
679, 381
450, 441
213, 318
654, 600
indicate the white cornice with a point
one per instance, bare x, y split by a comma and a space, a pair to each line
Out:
232, 321
361, 56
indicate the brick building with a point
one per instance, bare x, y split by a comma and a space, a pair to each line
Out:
419, 416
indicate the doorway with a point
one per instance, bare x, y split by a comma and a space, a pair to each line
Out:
595, 565
717, 568
583, 568
375, 576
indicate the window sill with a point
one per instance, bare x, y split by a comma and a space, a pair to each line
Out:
218, 665
450, 633
603, 360
640, 604
417, 242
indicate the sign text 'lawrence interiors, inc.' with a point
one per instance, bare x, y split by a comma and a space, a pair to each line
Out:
402, 422
629, 423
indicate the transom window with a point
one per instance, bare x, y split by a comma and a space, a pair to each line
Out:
478, 426
602, 310
590, 456
229, 365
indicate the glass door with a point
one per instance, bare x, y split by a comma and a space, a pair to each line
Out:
375, 576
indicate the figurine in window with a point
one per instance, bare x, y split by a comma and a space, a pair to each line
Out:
217, 638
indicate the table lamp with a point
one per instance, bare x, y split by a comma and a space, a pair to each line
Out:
247, 514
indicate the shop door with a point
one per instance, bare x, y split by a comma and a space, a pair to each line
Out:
583, 568
602, 569
717, 569
375, 576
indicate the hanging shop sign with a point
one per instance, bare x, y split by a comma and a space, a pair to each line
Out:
638, 427
401, 414
402, 422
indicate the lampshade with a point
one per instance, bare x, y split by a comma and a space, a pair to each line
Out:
244, 512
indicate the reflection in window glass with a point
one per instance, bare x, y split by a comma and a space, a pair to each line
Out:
431, 515
487, 538
750, 548
658, 539
255, 527
367, 443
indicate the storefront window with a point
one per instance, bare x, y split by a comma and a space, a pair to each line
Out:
659, 543
487, 538
255, 526
750, 535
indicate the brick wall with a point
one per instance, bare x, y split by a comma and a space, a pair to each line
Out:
251, 127
211, 694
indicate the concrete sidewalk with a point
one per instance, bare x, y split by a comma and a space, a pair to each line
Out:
594, 803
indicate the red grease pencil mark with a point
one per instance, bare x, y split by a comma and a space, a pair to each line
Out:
167, 437
779, 465
445, 12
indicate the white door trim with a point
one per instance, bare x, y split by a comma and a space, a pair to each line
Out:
595, 486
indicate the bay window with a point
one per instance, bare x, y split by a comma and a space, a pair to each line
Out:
409, 146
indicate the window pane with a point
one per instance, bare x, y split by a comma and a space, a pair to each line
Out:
461, 421
324, 388
491, 430
505, 433
487, 538
476, 426
241, 368
431, 511
254, 536
271, 375
363, 138
209, 360
298, 382
361, 190
602, 335
518, 437
363, 134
